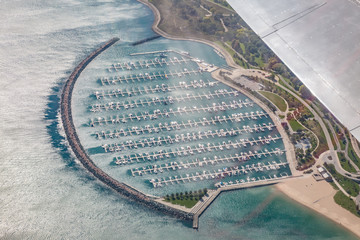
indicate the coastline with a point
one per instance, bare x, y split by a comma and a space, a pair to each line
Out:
318, 197
156, 29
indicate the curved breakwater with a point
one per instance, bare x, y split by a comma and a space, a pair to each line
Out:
77, 148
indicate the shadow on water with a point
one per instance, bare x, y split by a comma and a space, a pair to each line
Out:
58, 141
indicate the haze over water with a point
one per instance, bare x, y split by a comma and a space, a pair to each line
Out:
45, 193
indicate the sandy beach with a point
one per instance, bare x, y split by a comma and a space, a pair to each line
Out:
319, 197
308, 192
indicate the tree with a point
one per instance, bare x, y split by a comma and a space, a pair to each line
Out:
305, 92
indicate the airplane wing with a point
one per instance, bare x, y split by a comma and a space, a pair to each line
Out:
319, 40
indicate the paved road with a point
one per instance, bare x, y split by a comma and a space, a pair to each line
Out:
316, 115
324, 158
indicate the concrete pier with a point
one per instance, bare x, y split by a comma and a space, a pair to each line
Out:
202, 206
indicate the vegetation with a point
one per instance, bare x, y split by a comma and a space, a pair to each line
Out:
278, 101
295, 125
187, 199
223, 3
350, 186
353, 156
315, 127
345, 164
346, 203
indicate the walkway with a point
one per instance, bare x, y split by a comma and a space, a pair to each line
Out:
203, 205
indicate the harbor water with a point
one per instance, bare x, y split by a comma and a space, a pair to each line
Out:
44, 191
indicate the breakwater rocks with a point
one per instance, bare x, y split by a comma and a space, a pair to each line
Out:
145, 40
80, 153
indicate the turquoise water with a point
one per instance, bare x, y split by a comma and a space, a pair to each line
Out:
45, 193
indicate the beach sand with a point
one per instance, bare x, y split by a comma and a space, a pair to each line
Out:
319, 196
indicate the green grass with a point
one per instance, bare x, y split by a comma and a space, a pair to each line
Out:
346, 203
345, 164
350, 186
353, 156
342, 144
232, 53
274, 98
259, 61
295, 125
185, 202
186, 199
315, 127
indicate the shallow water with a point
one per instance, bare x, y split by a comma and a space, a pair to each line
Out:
45, 193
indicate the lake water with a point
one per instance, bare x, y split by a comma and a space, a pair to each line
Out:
44, 191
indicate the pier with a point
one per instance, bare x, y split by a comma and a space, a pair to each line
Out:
144, 116
151, 76
174, 125
176, 99
241, 157
163, 88
201, 206
162, 61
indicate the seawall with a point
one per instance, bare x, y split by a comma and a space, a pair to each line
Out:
80, 153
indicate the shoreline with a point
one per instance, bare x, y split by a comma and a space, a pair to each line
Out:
155, 27
337, 214
319, 197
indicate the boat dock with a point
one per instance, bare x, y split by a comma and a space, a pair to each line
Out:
176, 99
155, 89
153, 52
188, 137
184, 151
148, 76
156, 62
221, 174
174, 125
237, 117
175, 166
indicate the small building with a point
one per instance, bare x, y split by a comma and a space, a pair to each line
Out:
324, 174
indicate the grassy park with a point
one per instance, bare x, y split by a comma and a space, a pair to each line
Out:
186, 199
345, 164
350, 186
274, 98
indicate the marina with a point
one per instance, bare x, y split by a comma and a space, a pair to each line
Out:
154, 89
221, 174
161, 112
174, 166
177, 126
176, 99
188, 138
235, 117
156, 62
146, 77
